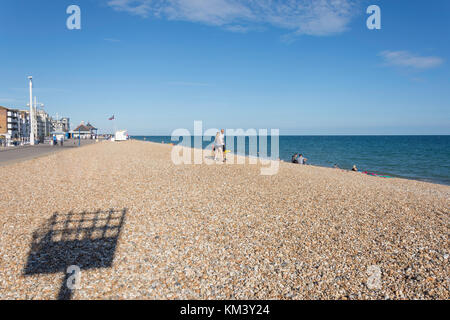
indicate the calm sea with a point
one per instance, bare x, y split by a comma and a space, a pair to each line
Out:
424, 158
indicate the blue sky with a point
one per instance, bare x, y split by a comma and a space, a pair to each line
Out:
302, 66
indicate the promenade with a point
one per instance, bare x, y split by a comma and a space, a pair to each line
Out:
140, 227
10, 155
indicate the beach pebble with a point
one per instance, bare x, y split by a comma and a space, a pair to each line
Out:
216, 231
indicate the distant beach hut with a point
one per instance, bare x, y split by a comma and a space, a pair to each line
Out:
83, 131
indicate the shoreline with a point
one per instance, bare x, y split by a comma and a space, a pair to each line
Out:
392, 175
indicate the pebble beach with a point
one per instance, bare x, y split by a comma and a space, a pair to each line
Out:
140, 227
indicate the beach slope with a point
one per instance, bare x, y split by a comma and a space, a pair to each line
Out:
139, 226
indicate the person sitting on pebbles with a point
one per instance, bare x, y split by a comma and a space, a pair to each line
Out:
355, 169
301, 159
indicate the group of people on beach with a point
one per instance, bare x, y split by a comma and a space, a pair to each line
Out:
299, 158
219, 146
55, 140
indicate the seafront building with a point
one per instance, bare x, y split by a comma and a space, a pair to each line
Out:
44, 125
61, 128
61, 125
15, 126
24, 126
9, 124
84, 131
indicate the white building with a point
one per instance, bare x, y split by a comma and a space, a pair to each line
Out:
9, 125
15, 126
13, 123
44, 125
24, 126
61, 125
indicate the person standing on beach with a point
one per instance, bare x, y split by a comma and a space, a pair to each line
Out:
218, 146
222, 140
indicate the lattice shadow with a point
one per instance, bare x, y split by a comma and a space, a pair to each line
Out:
87, 240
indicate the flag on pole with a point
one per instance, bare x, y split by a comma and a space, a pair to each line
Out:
112, 118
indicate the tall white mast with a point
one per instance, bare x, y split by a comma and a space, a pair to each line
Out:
35, 118
31, 112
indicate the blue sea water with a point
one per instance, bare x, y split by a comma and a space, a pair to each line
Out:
425, 158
